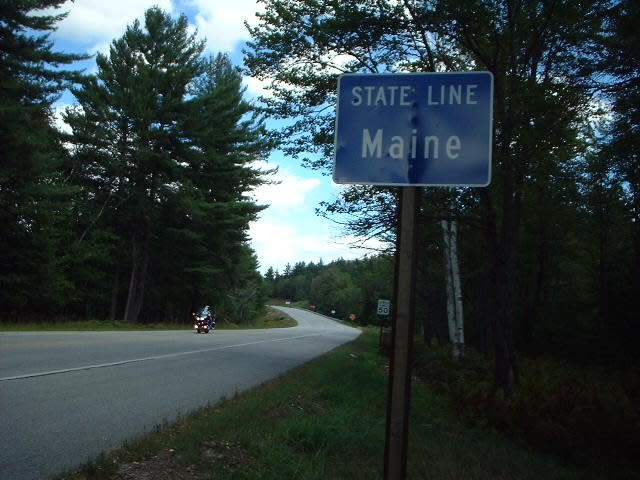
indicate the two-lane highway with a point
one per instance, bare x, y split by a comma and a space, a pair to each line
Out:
65, 397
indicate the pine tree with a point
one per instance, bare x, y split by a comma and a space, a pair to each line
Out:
621, 61
212, 209
33, 197
126, 131
163, 143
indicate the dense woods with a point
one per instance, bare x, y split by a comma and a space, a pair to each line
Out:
548, 252
338, 289
139, 213
527, 291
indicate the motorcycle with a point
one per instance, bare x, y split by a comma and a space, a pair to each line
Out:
201, 325
204, 320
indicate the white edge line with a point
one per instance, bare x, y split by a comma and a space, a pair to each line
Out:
146, 359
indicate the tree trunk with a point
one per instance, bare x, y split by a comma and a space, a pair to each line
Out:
633, 178
427, 321
534, 301
481, 326
636, 267
458, 349
451, 312
113, 309
137, 282
604, 284
501, 287
454, 291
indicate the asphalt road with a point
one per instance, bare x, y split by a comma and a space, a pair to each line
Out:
65, 397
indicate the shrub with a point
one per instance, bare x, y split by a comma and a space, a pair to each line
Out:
581, 413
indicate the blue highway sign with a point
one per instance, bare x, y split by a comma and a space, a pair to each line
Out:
414, 129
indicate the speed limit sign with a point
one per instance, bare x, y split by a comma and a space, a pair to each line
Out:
384, 307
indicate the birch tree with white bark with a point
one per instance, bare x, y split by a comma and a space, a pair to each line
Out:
455, 314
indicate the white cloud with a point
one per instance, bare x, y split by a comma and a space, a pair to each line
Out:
58, 122
222, 21
94, 23
289, 231
356, 247
257, 87
288, 191
278, 243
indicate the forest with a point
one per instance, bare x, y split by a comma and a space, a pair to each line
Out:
549, 253
338, 289
140, 212
540, 270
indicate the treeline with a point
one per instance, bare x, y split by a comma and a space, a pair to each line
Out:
549, 253
141, 211
339, 289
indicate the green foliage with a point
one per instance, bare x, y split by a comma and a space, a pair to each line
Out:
588, 415
343, 287
550, 251
621, 152
128, 129
34, 197
143, 213
164, 139
333, 290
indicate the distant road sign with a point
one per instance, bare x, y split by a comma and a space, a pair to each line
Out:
414, 129
384, 307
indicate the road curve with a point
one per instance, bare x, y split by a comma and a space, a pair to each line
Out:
65, 397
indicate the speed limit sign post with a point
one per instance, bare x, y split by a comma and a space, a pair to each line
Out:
384, 307
384, 340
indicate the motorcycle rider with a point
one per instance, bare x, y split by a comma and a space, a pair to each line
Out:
211, 320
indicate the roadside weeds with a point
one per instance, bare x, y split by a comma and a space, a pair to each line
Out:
326, 420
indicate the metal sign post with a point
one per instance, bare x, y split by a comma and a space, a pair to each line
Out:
411, 130
399, 396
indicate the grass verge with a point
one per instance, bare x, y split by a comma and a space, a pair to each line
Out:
87, 325
326, 420
271, 319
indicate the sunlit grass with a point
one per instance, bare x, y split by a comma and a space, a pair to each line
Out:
326, 420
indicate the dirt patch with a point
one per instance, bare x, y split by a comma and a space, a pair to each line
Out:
228, 456
217, 460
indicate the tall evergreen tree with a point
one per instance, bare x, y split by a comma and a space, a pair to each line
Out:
164, 144
211, 210
620, 156
33, 198
129, 115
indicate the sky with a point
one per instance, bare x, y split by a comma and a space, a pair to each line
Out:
288, 231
